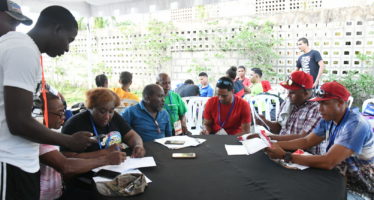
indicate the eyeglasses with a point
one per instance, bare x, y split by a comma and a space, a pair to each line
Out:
291, 82
323, 94
60, 114
228, 83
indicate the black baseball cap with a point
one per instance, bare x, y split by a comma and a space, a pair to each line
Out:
14, 10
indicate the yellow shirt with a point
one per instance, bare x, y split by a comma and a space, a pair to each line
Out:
125, 95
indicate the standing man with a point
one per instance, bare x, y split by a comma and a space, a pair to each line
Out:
241, 76
256, 87
125, 79
226, 113
174, 105
20, 72
148, 118
349, 139
205, 89
310, 62
11, 16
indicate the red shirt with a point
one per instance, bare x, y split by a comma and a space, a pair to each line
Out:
240, 114
246, 82
266, 85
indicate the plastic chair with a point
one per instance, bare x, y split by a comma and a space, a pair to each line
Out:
366, 102
194, 114
350, 101
267, 104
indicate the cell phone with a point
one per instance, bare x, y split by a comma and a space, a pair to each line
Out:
178, 142
183, 155
107, 173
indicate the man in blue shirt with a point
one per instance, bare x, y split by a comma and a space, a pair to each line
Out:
205, 89
348, 139
148, 118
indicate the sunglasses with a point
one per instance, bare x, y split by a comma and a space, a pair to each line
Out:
290, 82
323, 94
228, 83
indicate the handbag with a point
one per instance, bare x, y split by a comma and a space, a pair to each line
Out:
123, 185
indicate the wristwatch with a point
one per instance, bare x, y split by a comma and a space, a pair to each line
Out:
288, 157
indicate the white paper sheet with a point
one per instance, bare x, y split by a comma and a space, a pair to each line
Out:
188, 141
255, 144
130, 163
131, 171
236, 150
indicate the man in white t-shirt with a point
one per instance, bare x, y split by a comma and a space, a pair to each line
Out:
20, 71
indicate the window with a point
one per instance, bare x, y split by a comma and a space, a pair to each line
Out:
359, 33
348, 33
358, 42
346, 52
348, 43
346, 62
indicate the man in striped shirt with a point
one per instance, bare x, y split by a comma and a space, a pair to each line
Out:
303, 114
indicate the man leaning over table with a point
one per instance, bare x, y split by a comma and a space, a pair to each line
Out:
349, 141
226, 113
303, 114
173, 105
148, 118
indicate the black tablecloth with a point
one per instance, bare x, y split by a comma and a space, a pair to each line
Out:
217, 176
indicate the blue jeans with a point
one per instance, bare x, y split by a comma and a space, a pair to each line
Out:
355, 196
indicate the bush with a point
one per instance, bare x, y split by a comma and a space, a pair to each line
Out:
361, 86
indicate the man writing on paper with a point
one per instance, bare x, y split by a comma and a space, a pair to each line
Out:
349, 139
174, 105
226, 113
148, 118
303, 114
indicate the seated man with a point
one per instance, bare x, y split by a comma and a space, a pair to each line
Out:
226, 113
256, 87
54, 164
174, 106
304, 115
101, 81
148, 118
188, 89
205, 89
349, 139
125, 79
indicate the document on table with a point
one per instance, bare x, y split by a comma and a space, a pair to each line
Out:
130, 163
236, 150
131, 171
188, 141
255, 144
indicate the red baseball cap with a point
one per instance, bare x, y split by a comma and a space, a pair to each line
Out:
332, 90
298, 80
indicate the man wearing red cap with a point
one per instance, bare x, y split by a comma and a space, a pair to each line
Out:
303, 114
349, 142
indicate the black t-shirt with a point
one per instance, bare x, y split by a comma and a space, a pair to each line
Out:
309, 63
113, 133
188, 90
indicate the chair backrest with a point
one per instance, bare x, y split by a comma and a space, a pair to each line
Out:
350, 101
194, 114
366, 102
265, 104
249, 99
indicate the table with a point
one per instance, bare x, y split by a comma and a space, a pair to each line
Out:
214, 175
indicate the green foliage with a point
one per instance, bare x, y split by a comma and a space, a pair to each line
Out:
360, 86
254, 41
157, 42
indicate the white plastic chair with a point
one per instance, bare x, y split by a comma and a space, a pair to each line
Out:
263, 102
267, 102
194, 114
350, 101
366, 102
